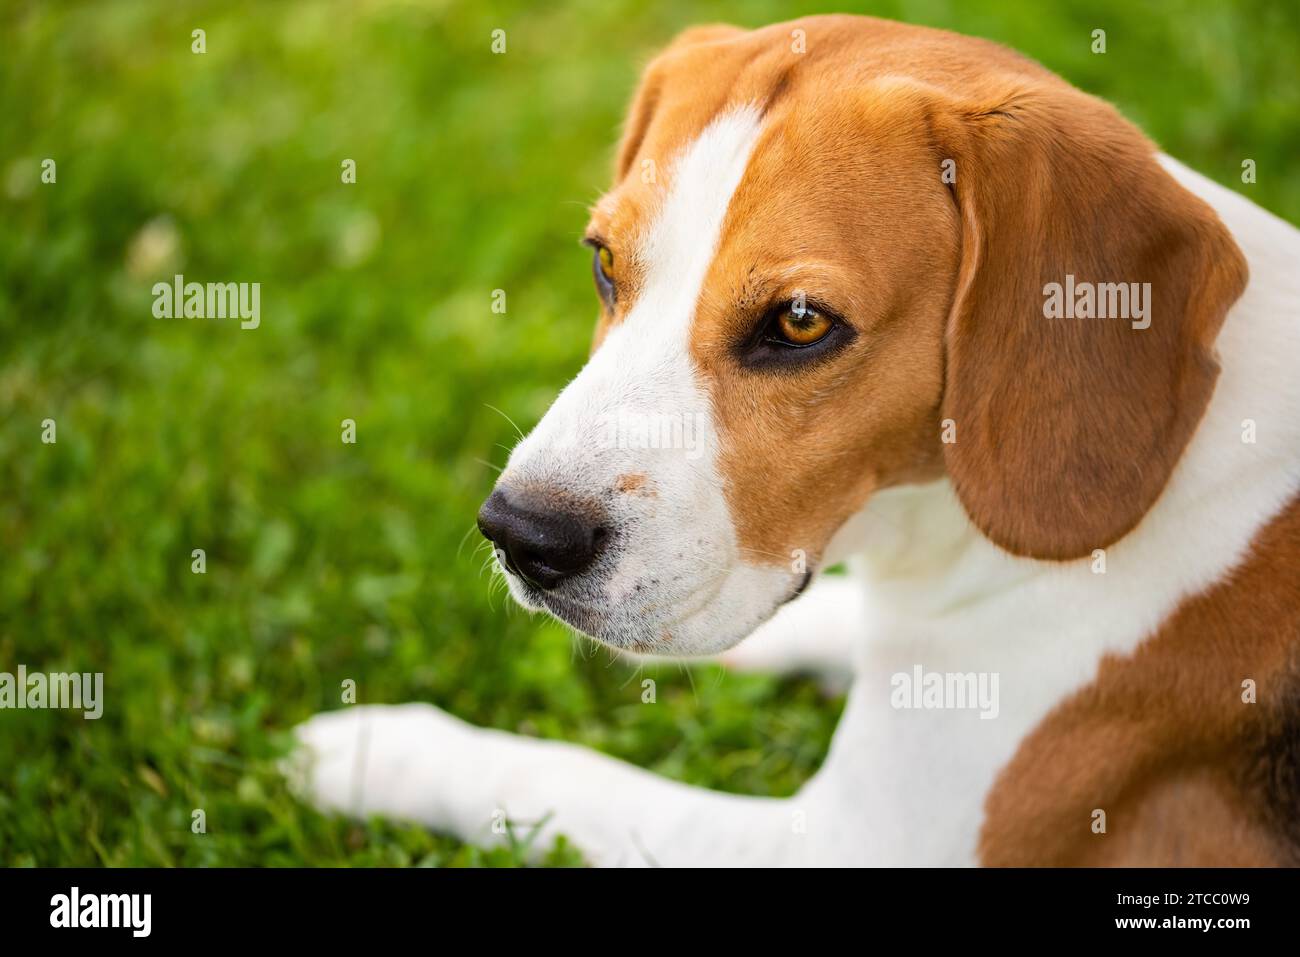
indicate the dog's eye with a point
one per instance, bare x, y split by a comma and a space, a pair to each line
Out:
792, 334
602, 267
798, 324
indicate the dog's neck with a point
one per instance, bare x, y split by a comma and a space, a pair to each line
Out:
923, 558
920, 553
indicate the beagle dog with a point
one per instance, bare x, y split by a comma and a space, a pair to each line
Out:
892, 296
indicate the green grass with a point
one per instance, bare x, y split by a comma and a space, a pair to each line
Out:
328, 561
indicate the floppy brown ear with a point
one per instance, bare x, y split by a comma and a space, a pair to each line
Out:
1067, 429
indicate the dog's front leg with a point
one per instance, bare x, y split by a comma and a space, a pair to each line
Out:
419, 763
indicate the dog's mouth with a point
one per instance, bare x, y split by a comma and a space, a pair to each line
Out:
588, 619
642, 626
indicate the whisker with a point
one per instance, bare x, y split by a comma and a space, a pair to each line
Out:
507, 418
464, 538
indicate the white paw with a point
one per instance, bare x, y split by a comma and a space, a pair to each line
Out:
409, 761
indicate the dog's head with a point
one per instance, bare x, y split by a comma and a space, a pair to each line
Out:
822, 272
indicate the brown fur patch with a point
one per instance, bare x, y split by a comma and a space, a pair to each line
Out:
1186, 772
633, 483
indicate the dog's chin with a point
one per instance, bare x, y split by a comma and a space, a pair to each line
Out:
697, 629
640, 634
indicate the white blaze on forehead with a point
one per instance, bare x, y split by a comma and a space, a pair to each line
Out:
644, 366
683, 240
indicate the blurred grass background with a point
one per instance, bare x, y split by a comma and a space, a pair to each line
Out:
328, 561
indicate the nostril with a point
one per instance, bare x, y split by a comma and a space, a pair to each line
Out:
541, 537
533, 560
503, 556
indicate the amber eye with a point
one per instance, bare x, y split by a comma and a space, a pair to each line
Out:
802, 325
793, 333
602, 266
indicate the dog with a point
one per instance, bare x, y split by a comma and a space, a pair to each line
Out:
831, 272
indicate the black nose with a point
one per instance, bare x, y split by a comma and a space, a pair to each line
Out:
544, 542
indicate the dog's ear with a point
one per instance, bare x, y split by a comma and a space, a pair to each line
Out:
1065, 430
649, 93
